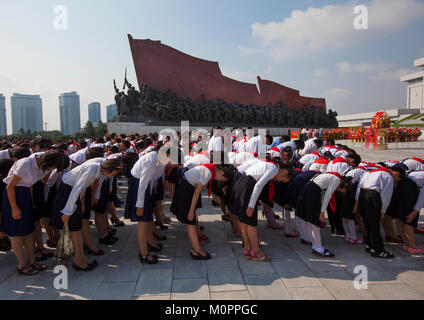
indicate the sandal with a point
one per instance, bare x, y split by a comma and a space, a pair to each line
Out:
204, 238
275, 226
89, 267
39, 267
326, 254
197, 256
44, 256
155, 249
246, 254
28, 270
149, 259
256, 257
160, 238
161, 225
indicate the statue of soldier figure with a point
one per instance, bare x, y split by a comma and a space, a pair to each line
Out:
121, 101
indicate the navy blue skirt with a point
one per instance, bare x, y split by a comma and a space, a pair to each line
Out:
241, 192
59, 202
158, 191
292, 192
114, 194
181, 203
23, 226
40, 210
130, 206
101, 205
309, 203
86, 215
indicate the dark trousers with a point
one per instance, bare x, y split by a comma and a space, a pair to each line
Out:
370, 209
335, 218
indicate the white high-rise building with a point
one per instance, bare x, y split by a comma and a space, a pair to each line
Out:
415, 94
70, 119
111, 111
3, 126
94, 113
27, 112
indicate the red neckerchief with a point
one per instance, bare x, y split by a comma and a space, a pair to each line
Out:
362, 168
271, 183
255, 154
316, 153
418, 159
339, 160
275, 149
191, 154
322, 160
380, 169
336, 174
212, 169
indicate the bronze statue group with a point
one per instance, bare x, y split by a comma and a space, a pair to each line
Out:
47, 185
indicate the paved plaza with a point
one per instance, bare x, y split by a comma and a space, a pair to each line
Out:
293, 273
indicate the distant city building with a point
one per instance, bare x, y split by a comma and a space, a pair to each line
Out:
94, 113
70, 119
27, 112
111, 111
415, 94
3, 127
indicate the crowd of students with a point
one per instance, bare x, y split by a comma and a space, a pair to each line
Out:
47, 184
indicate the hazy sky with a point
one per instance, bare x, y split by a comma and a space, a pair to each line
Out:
307, 45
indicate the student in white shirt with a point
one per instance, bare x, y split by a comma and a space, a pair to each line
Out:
373, 197
69, 206
247, 187
187, 199
414, 164
139, 206
18, 209
312, 204
408, 200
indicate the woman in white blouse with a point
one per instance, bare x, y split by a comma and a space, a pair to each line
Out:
18, 207
69, 207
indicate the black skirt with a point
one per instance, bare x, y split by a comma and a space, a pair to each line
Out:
241, 192
114, 194
348, 203
23, 226
293, 190
181, 202
218, 190
38, 200
405, 196
158, 191
49, 202
175, 175
86, 215
265, 197
280, 191
101, 205
130, 206
308, 206
59, 202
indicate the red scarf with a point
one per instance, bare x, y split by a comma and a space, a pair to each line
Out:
333, 203
211, 168
380, 169
418, 159
339, 160
322, 161
316, 153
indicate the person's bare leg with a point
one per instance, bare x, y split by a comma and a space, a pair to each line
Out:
401, 229
194, 239
29, 245
142, 236
18, 250
99, 222
45, 224
86, 236
79, 257
38, 236
247, 244
236, 224
150, 237
252, 234
56, 235
410, 235
388, 226
112, 210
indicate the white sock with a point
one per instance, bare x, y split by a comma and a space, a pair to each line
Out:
287, 221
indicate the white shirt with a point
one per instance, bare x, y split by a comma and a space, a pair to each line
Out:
196, 160
413, 164
79, 157
215, 144
418, 178
255, 145
4, 154
310, 147
328, 183
262, 172
241, 158
380, 181
80, 178
199, 174
341, 153
310, 157
356, 174
27, 169
339, 167
144, 170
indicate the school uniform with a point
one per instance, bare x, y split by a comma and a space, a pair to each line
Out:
255, 145
183, 196
414, 164
310, 147
309, 158
68, 198
319, 164
241, 158
247, 187
4, 154
29, 172
79, 157
196, 160
374, 193
139, 189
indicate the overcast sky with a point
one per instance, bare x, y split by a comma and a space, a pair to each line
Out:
308, 45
